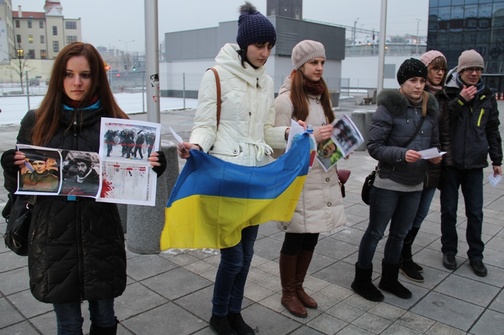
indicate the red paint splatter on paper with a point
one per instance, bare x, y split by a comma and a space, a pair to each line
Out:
106, 189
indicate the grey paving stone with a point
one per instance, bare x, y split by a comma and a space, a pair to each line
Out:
327, 324
165, 319
345, 312
498, 303
28, 305
14, 280
372, 323
468, 290
136, 299
146, 266
450, 311
8, 315
490, 323
176, 283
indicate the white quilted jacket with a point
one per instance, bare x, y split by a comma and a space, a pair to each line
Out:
246, 133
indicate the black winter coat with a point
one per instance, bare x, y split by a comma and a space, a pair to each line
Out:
76, 249
474, 128
393, 124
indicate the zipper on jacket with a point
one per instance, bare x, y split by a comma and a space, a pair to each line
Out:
481, 116
78, 232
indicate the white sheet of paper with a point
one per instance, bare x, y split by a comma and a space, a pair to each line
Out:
177, 136
431, 153
494, 180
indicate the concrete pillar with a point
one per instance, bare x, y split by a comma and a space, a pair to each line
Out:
362, 120
145, 223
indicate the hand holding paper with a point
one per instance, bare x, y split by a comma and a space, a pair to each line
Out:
431, 153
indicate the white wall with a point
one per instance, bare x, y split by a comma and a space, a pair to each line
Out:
363, 71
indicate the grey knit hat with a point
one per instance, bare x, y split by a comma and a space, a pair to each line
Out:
306, 50
411, 68
470, 58
253, 27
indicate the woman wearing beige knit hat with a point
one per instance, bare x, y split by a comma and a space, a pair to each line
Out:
304, 96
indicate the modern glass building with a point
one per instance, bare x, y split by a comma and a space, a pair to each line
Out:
458, 25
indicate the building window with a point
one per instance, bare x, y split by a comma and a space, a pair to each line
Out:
42, 39
70, 25
41, 24
55, 46
71, 39
31, 54
17, 24
18, 39
29, 24
43, 54
55, 31
30, 38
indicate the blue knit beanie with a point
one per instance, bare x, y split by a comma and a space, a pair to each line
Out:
253, 27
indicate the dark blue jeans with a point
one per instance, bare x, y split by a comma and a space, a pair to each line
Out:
232, 274
471, 182
69, 317
424, 206
397, 207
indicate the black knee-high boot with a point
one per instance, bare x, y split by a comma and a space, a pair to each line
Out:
409, 268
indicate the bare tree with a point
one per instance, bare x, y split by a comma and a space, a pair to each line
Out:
19, 65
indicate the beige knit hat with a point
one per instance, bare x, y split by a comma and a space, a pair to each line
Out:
470, 58
305, 51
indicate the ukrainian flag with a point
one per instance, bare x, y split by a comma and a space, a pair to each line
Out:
213, 200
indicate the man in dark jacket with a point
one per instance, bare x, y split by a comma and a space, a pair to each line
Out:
474, 134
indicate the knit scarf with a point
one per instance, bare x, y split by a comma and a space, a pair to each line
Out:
69, 104
315, 88
433, 88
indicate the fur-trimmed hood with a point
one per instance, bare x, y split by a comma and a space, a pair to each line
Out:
396, 103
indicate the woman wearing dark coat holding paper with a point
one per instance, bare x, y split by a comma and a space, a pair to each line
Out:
304, 96
76, 246
404, 123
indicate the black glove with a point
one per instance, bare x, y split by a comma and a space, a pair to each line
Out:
161, 160
8, 161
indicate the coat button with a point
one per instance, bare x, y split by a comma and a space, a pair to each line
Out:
235, 151
327, 179
329, 204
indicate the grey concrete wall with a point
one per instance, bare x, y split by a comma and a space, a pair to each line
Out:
145, 223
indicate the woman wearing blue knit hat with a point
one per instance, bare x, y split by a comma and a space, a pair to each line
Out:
244, 134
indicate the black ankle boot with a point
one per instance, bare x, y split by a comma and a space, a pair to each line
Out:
389, 282
95, 330
238, 324
221, 326
363, 286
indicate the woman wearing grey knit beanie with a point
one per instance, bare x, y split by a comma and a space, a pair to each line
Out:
304, 96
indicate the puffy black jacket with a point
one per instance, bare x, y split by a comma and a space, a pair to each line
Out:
474, 128
76, 249
393, 124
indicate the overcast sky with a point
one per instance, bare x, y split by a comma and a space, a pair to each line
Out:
120, 23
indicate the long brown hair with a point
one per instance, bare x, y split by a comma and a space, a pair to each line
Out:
299, 98
48, 115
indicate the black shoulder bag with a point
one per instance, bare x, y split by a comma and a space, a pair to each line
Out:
18, 223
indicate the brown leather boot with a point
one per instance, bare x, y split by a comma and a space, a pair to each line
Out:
290, 300
303, 262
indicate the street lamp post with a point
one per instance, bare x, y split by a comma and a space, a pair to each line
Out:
417, 36
126, 52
